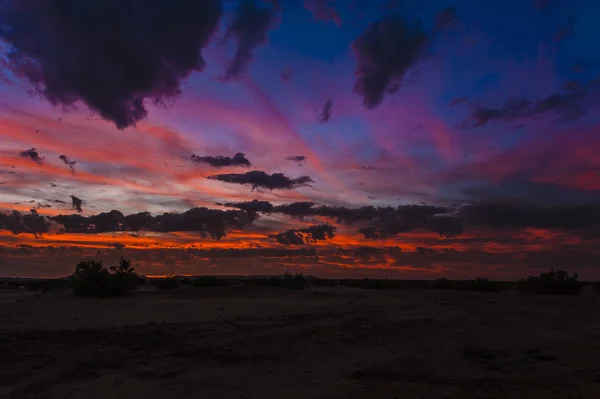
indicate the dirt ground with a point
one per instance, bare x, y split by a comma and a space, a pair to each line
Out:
261, 342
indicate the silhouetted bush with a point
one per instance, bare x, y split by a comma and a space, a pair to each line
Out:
210, 281
168, 283
92, 278
596, 287
141, 280
186, 281
442, 283
294, 281
554, 282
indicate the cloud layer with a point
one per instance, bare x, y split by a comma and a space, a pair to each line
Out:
455, 155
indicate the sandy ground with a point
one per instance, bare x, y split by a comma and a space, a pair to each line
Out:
260, 342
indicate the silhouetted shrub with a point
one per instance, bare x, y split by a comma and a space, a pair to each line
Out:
554, 282
442, 283
141, 280
92, 278
186, 281
596, 287
210, 281
294, 281
168, 283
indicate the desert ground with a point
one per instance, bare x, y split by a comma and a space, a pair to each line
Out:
268, 342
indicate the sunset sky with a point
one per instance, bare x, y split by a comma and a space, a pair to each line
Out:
433, 138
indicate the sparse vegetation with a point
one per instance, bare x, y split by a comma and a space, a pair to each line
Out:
366, 283
210, 281
554, 282
293, 281
478, 284
324, 282
92, 278
272, 281
442, 283
45, 285
168, 283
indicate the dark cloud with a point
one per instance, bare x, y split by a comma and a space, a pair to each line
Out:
56, 201
259, 179
212, 223
424, 250
114, 56
367, 168
366, 251
301, 159
106, 222
378, 222
68, 162
457, 101
323, 10
245, 253
342, 214
138, 221
306, 235
383, 222
32, 223
220, 161
412, 217
252, 207
325, 114
296, 209
523, 215
569, 104
251, 22
541, 4
385, 52
76, 203
32, 154
447, 18
208, 222
117, 245
74, 223
286, 75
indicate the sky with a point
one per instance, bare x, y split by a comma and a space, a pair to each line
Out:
403, 139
